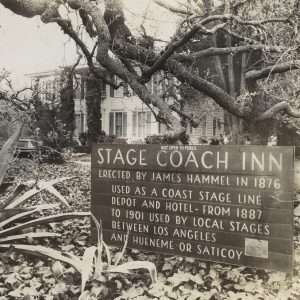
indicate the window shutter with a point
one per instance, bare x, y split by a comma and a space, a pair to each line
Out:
204, 127
214, 126
118, 128
112, 91
148, 123
111, 123
124, 123
140, 124
134, 123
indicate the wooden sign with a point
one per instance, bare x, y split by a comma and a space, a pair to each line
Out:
227, 204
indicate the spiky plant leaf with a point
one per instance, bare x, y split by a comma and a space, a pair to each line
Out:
121, 254
41, 185
87, 265
17, 191
98, 258
107, 252
8, 213
43, 220
15, 214
134, 265
32, 235
58, 195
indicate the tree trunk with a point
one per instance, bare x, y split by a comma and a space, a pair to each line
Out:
67, 108
259, 132
287, 136
93, 104
237, 133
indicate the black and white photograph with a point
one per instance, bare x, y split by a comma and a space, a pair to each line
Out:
149, 150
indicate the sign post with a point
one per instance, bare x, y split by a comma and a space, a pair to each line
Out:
227, 204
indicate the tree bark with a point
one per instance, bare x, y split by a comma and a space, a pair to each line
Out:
93, 107
67, 106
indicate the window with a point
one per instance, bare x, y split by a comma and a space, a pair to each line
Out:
118, 124
141, 123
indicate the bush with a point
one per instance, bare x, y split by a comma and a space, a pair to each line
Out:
82, 149
165, 140
156, 139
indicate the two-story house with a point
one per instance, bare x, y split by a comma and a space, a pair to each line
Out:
123, 114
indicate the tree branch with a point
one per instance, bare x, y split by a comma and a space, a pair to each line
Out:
148, 57
277, 108
214, 51
239, 37
128, 65
18, 104
173, 46
208, 88
26, 8
239, 20
98, 72
193, 120
87, 23
113, 66
278, 68
173, 9
76, 63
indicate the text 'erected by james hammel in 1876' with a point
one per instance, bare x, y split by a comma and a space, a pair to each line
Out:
228, 204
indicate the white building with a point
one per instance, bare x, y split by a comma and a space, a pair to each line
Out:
123, 113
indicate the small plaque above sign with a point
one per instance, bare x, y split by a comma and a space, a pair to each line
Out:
228, 204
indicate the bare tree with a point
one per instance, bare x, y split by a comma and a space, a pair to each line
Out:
244, 47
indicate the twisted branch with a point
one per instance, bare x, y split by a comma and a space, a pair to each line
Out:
213, 51
279, 68
277, 108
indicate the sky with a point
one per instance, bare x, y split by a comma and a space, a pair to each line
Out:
29, 46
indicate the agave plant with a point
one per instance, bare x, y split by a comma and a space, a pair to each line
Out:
13, 220
91, 265
11, 225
